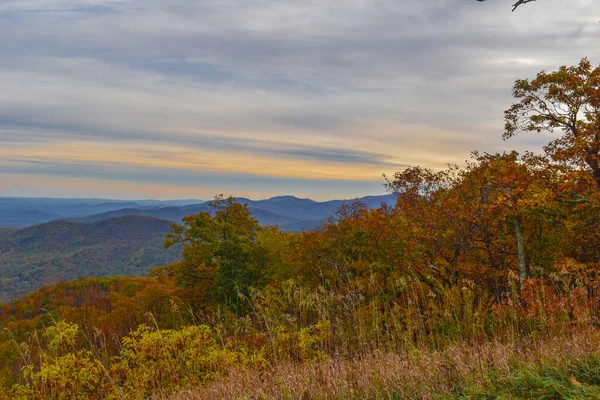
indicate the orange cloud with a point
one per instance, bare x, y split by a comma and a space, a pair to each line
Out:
194, 159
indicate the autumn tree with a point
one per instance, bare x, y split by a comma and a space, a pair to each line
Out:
567, 100
334, 250
356, 248
449, 229
477, 222
514, 193
436, 232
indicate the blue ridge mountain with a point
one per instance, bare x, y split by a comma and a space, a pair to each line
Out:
288, 212
22, 212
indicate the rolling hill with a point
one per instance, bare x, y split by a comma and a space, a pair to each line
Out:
288, 212
65, 250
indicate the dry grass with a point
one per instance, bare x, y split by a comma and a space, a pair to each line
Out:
321, 345
410, 374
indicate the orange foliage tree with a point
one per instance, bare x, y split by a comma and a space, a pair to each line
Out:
568, 100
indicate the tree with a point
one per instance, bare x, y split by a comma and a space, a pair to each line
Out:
569, 100
219, 252
438, 232
473, 222
514, 192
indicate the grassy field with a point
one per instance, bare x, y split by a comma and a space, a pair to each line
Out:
544, 368
298, 343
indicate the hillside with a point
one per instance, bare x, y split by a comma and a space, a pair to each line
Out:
65, 250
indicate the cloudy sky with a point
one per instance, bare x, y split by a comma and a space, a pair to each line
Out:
318, 98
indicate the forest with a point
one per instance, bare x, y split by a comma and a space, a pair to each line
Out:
482, 282
63, 250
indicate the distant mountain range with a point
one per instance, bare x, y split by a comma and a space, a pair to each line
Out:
288, 212
20, 212
65, 250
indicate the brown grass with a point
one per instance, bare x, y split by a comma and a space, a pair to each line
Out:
409, 374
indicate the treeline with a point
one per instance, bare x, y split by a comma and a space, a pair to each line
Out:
491, 256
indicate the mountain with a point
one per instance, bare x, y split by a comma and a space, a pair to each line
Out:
288, 212
21, 212
176, 214
65, 250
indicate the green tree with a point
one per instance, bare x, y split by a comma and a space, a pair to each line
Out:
219, 252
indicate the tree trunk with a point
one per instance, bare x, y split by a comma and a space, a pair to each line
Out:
596, 175
521, 251
591, 160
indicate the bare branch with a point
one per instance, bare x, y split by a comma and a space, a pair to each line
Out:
518, 3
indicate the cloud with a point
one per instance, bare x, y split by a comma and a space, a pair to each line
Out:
309, 90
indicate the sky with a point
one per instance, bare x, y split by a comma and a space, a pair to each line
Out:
175, 99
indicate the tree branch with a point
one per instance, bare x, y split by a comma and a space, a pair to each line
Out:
518, 3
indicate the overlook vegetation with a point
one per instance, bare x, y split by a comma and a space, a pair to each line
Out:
480, 283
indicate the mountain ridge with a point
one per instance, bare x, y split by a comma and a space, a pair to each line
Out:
290, 213
286, 211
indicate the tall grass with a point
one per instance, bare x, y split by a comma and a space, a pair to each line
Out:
407, 340
553, 368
